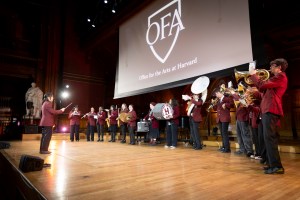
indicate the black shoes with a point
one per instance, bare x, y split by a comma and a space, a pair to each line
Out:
239, 152
123, 141
45, 152
274, 170
226, 151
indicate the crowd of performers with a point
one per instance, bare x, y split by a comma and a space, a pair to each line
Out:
258, 112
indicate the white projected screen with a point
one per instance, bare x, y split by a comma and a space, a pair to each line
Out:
172, 41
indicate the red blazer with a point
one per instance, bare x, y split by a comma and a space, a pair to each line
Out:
132, 121
74, 119
223, 115
154, 121
254, 109
176, 115
113, 117
101, 117
242, 113
273, 90
48, 114
254, 114
123, 111
196, 112
91, 118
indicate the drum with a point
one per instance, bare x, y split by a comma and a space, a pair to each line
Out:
142, 126
163, 111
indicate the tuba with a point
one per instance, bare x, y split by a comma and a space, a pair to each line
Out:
199, 86
263, 74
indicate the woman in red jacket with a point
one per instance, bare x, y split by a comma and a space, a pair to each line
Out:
154, 125
74, 117
47, 121
131, 124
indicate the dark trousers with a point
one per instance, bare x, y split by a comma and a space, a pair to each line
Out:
269, 122
46, 137
194, 130
100, 131
261, 142
74, 130
123, 131
256, 141
90, 133
131, 134
113, 131
172, 134
244, 136
223, 126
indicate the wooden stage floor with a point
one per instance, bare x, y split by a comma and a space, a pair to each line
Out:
93, 170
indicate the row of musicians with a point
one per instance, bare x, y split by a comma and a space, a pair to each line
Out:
112, 117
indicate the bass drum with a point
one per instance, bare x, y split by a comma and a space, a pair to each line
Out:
163, 111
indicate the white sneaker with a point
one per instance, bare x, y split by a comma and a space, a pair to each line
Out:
166, 146
252, 156
257, 158
172, 147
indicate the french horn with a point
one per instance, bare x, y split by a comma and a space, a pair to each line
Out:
263, 74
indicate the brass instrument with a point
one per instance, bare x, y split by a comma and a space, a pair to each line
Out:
124, 117
128, 117
212, 104
108, 118
263, 74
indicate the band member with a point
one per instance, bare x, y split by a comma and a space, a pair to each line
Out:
100, 124
90, 124
242, 127
74, 117
47, 122
153, 125
112, 116
194, 120
172, 126
123, 125
223, 118
132, 124
256, 127
271, 109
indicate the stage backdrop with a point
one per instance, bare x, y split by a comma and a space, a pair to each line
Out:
171, 42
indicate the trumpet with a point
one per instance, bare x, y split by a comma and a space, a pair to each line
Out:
212, 104
263, 74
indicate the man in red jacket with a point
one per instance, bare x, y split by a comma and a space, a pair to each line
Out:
223, 119
271, 109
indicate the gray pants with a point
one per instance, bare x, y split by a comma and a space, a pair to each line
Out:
244, 136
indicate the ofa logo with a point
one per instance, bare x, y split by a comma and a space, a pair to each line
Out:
163, 30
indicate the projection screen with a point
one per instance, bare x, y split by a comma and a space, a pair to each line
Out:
172, 41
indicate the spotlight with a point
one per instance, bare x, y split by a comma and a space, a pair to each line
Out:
93, 25
64, 129
113, 10
65, 94
105, 1
67, 86
88, 19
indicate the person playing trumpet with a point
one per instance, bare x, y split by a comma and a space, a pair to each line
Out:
223, 106
112, 116
100, 123
74, 117
242, 127
90, 132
